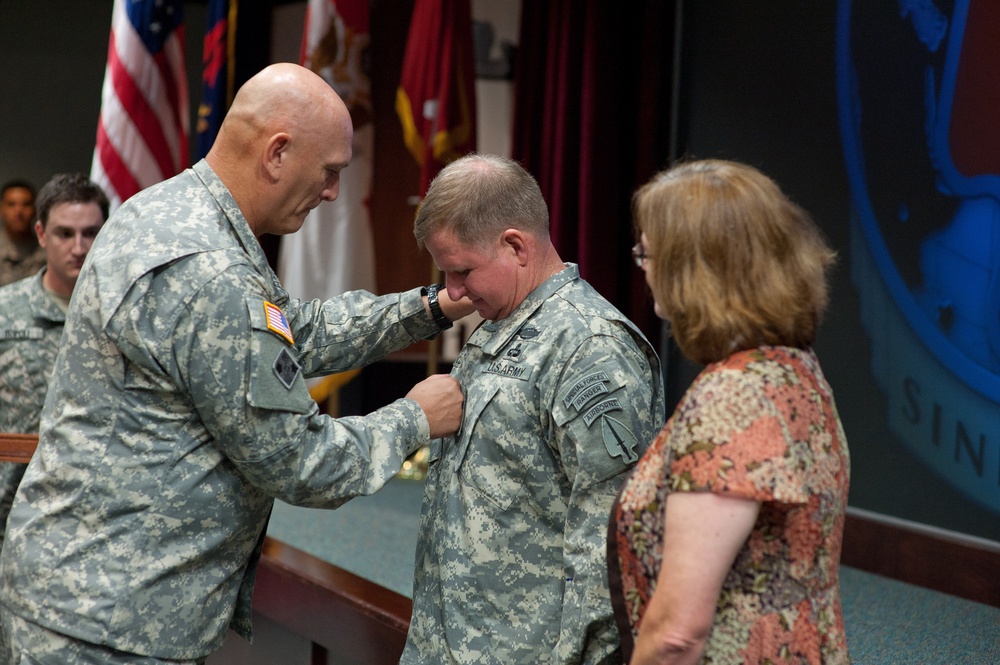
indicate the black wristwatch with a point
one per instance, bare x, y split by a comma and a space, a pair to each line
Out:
432, 301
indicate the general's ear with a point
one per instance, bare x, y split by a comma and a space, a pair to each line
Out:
275, 154
40, 232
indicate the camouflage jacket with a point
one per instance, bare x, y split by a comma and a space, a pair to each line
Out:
31, 324
177, 412
562, 398
19, 260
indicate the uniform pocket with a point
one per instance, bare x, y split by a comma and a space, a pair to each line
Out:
490, 465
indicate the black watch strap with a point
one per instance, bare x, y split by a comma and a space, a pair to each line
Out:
435, 307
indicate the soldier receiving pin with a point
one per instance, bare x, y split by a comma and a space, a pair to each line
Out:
562, 395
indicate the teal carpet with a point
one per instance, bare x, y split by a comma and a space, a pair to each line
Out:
887, 622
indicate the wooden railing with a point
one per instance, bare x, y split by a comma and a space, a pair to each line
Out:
17, 447
935, 559
348, 619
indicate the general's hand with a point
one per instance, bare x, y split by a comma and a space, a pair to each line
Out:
440, 396
455, 309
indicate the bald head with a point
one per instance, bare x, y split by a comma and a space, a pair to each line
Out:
281, 146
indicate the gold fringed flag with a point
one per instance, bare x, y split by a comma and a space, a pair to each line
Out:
436, 98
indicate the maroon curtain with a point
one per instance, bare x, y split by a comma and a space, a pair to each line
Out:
592, 121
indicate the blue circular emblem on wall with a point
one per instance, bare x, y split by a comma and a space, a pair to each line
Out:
919, 98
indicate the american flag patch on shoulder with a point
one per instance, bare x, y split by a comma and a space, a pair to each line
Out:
276, 321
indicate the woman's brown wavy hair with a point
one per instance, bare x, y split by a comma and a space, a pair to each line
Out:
733, 263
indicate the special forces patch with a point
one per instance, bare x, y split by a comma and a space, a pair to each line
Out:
600, 409
619, 440
591, 379
286, 368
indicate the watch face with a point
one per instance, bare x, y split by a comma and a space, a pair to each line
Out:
922, 151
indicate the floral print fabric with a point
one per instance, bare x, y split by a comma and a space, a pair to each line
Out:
762, 425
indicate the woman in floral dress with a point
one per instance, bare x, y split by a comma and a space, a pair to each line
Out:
724, 544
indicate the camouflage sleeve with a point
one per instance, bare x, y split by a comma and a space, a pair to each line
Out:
606, 414
249, 392
10, 477
356, 329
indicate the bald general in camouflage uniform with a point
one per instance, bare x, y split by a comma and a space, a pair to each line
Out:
178, 410
563, 395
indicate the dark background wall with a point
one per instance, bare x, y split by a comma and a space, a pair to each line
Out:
52, 59
758, 85
51, 73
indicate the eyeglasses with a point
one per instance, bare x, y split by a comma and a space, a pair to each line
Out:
639, 255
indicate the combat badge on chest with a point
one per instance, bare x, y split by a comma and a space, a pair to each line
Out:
512, 364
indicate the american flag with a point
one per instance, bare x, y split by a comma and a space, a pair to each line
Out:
277, 322
142, 133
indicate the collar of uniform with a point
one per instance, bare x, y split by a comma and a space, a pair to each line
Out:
500, 332
41, 304
240, 226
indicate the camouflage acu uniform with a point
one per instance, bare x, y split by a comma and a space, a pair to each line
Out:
562, 398
19, 260
178, 410
46, 646
31, 323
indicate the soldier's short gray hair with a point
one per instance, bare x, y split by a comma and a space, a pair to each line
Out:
478, 197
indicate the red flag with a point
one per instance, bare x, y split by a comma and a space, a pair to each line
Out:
142, 133
333, 252
436, 99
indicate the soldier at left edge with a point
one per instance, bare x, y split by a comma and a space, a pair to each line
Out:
20, 254
71, 211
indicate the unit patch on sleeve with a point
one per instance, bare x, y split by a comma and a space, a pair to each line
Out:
585, 382
276, 322
286, 368
600, 409
619, 440
589, 393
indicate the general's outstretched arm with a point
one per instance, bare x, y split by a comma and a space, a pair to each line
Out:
249, 391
